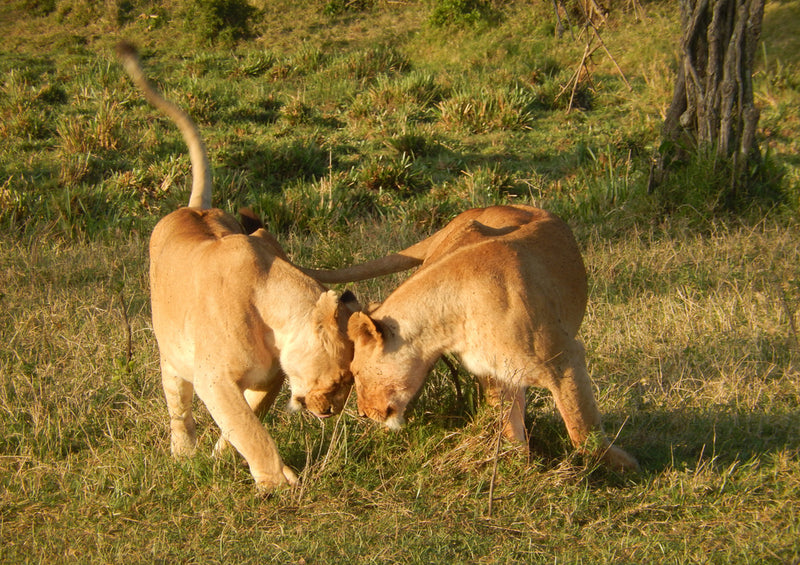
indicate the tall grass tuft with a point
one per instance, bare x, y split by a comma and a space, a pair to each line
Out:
487, 110
463, 13
367, 64
222, 21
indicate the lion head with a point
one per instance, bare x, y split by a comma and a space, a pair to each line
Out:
318, 365
387, 376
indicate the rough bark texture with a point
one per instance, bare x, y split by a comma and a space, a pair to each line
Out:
712, 105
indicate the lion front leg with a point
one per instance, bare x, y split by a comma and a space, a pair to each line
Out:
511, 400
572, 392
260, 401
242, 428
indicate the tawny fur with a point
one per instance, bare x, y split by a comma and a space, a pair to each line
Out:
488, 221
232, 317
505, 289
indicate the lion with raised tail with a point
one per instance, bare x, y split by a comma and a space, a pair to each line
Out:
232, 317
504, 288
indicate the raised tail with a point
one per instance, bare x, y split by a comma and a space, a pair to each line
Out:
201, 170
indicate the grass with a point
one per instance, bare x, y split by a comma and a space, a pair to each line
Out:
356, 129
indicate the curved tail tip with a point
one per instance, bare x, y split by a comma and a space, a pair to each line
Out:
126, 49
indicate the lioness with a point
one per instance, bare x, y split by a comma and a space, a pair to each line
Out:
232, 316
505, 289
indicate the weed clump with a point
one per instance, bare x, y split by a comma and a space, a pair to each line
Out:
367, 64
339, 7
488, 110
463, 13
39, 7
221, 21
392, 175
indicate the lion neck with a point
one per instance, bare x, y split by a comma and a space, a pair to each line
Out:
285, 300
424, 318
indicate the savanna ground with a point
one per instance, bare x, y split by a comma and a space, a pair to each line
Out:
356, 128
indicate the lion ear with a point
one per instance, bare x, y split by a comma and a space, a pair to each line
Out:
326, 306
348, 304
332, 311
363, 330
329, 322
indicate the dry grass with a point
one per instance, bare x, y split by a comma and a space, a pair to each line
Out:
691, 331
693, 354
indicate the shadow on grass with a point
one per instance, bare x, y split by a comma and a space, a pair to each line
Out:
679, 439
277, 165
660, 439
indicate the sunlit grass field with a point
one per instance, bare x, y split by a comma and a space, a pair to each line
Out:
355, 129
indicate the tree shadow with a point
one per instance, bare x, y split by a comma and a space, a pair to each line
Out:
272, 167
662, 439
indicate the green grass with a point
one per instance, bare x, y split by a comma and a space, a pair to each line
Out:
355, 129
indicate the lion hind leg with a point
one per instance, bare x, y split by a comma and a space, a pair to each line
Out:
242, 428
178, 393
572, 391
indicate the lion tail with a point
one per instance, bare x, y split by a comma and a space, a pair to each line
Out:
201, 170
387, 265
404, 260
466, 228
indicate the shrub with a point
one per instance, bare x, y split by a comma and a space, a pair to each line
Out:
223, 21
463, 13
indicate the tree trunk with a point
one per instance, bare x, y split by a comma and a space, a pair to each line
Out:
712, 106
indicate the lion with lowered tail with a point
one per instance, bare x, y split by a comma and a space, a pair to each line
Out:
504, 288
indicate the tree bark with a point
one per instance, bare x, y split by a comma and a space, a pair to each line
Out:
712, 106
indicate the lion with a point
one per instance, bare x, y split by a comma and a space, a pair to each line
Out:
233, 317
504, 288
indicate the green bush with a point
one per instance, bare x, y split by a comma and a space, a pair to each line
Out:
221, 21
463, 13
39, 7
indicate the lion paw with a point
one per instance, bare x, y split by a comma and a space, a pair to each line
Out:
182, 447
287, 478
290, 476
221, 447
619, 460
